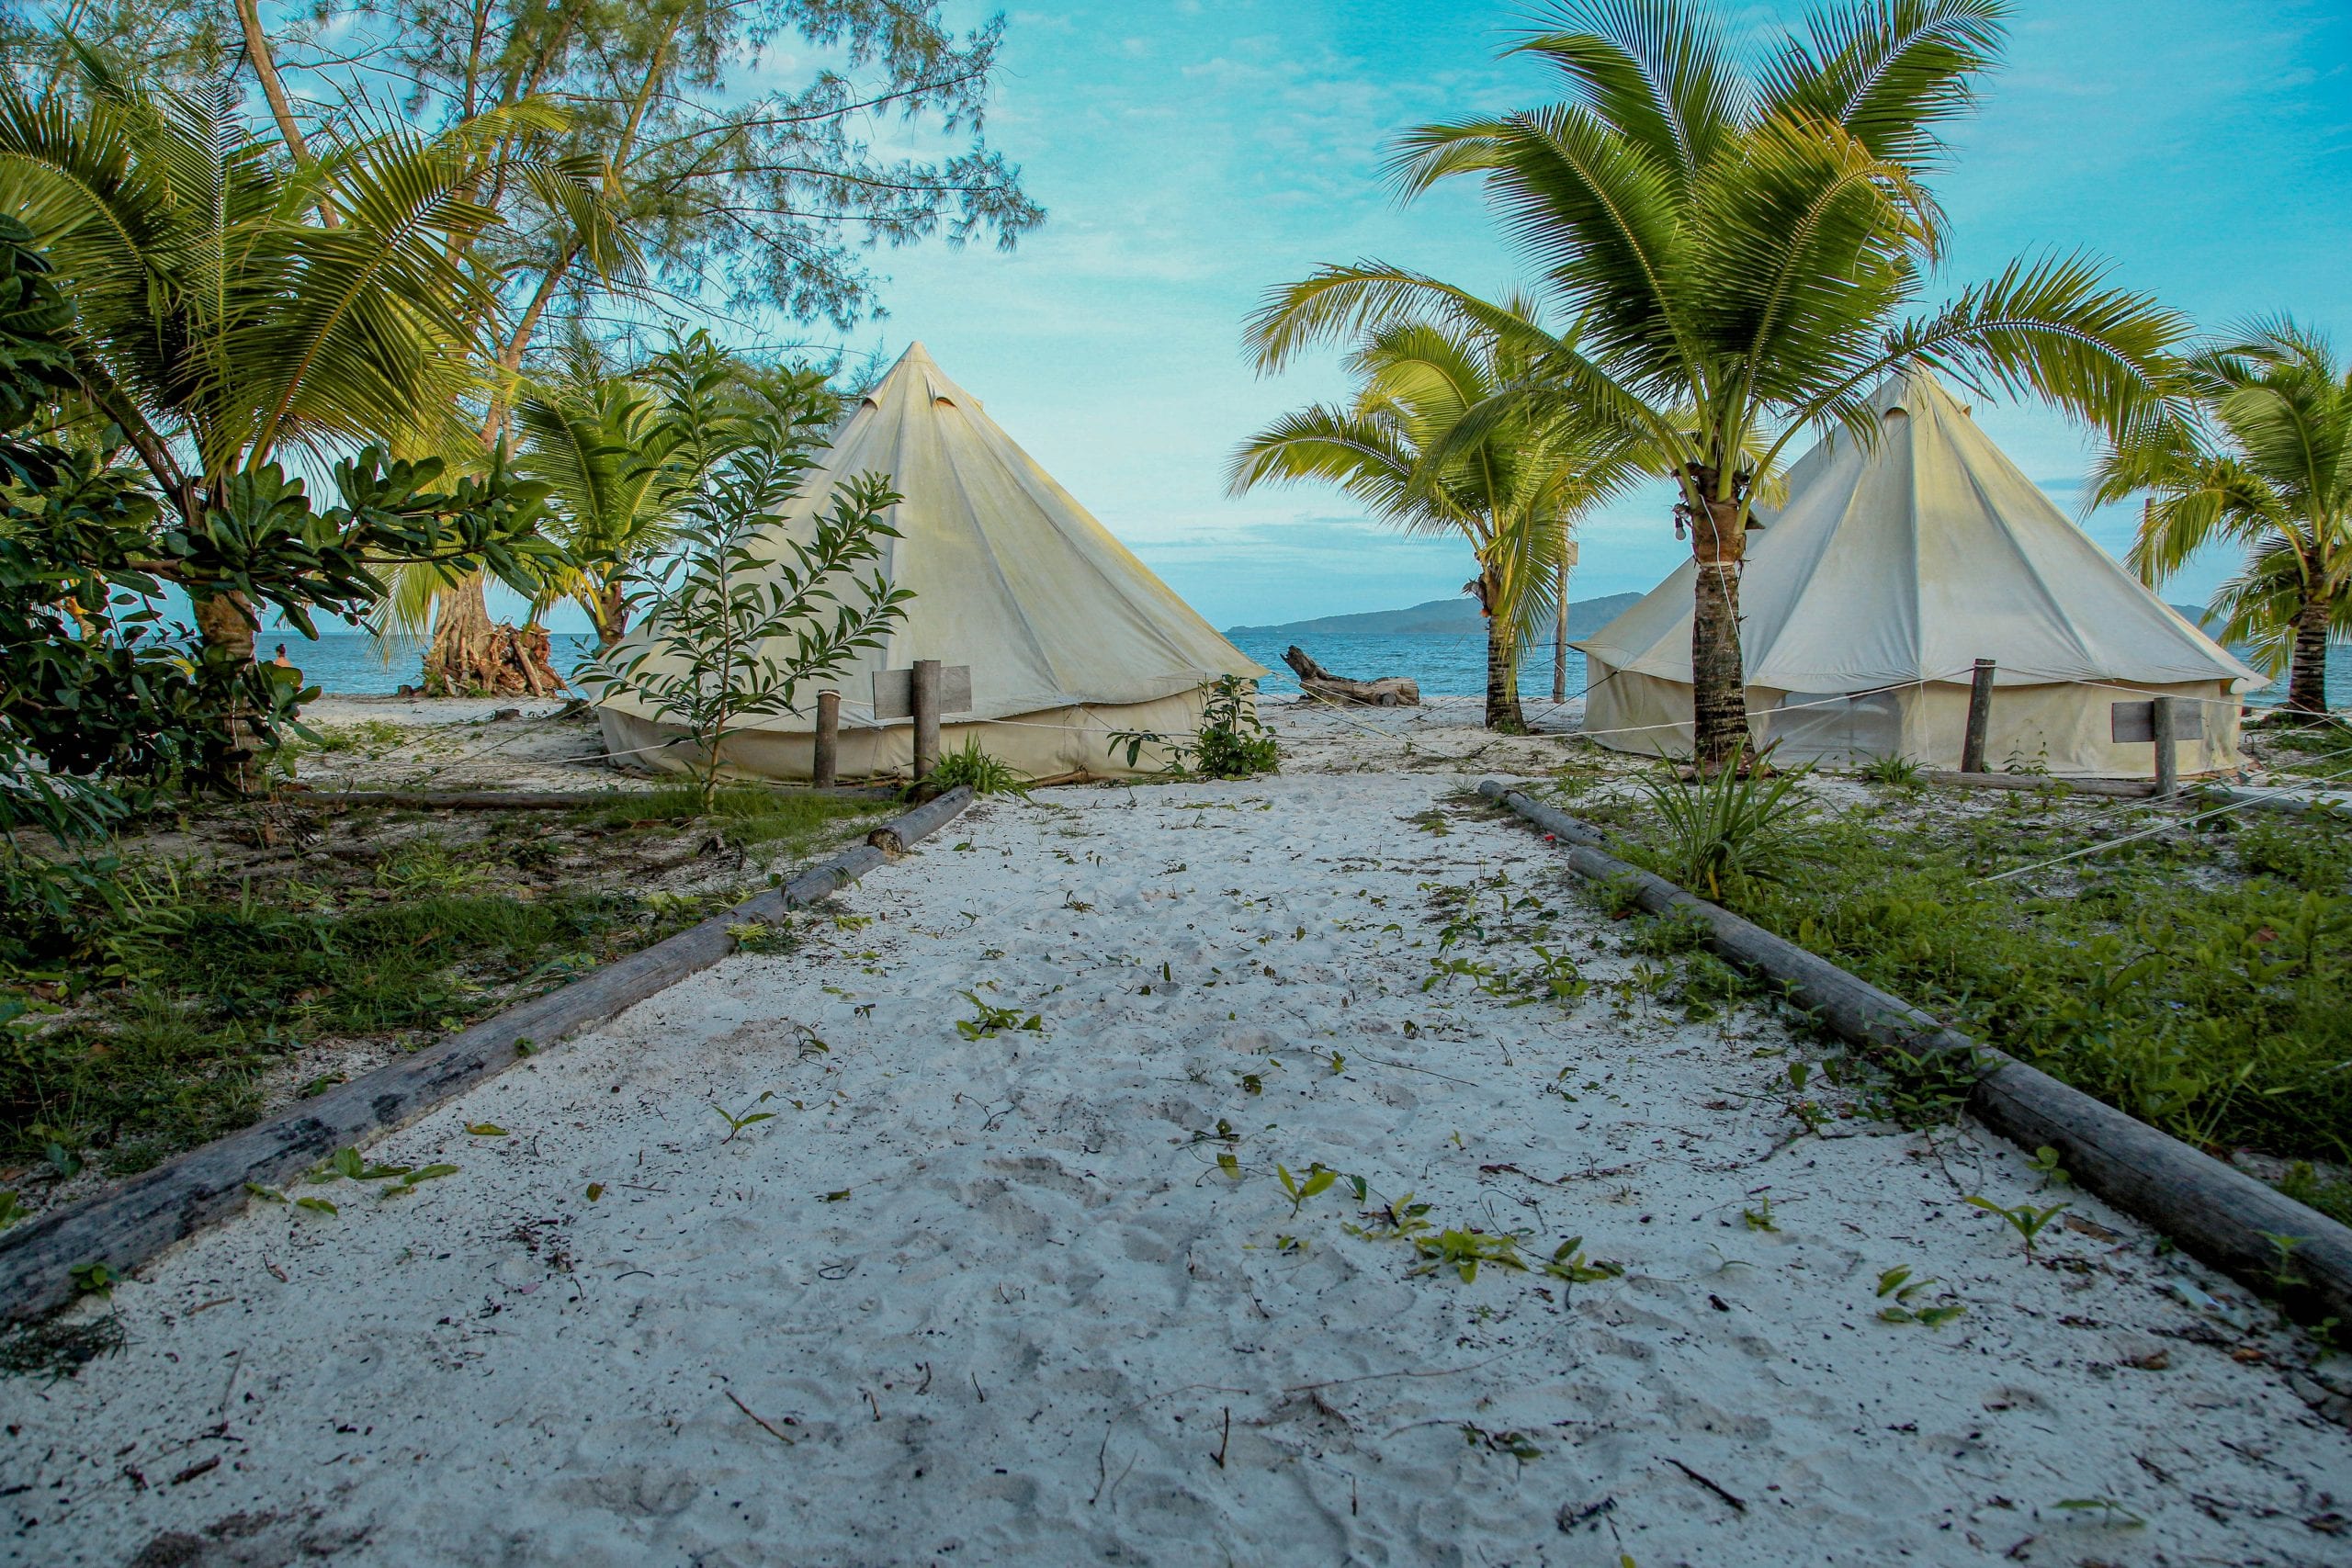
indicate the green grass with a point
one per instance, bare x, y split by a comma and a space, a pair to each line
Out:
219, 986
746, 813
2201, 982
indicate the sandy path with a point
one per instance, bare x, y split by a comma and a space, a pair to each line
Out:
1019, 1336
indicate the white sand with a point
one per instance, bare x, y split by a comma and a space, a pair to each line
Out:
1019, 1336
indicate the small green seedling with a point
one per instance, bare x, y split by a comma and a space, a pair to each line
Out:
2045, 1161
266, 1194
2110, 1511
1568, 1262
1319, 1179
1462, 1249
95, 1278
1760, 1218
1897, 1282
1400, 1219
751, 1114
989, 1021
409, 1179
761, 936
2284, 1275
1516, 1444
317, 1205
2024, 1219
1229, 1163
345, 1164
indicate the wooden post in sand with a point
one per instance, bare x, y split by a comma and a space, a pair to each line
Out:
2163, 722
824, 760
1980, 718
925, 705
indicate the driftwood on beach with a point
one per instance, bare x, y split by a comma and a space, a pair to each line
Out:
1387, 692
2215, 1211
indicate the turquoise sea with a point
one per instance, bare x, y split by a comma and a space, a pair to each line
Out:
1445, 666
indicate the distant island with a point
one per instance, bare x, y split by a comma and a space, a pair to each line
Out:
1439, 617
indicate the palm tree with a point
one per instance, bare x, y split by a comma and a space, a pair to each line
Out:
222, 324
1515, 493
599, 446
2264, 464
1744, 251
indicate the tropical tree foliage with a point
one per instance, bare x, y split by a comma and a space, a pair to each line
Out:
2263, 463
1514, 490
1742, 241
221, 325
746, 611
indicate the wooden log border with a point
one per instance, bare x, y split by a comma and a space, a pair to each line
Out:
519, 800
2127, 789
159, 1207
2214, 1211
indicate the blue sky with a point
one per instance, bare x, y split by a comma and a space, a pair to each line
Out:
1194, 153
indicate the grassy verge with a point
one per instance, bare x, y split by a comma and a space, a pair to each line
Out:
179, 996
2200, 978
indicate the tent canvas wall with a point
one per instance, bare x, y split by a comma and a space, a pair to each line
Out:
1868, 598
1069, 638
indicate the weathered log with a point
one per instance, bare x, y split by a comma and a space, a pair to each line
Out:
126, 1227
1387, 692
2126, 789
521, 800
2215, 1211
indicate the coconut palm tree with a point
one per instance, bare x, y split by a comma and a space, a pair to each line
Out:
222, 326
1515, 493
1743, 242
2264, 464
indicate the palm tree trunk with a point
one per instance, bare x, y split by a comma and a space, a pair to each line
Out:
612, 613
2307, 675
1502, 673
458, 662
224, 623
1718, 682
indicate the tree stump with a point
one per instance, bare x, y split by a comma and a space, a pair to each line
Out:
1387, 692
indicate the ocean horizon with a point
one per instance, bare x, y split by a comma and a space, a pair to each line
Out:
354, 664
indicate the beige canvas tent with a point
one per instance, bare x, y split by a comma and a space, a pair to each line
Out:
1068, 637
1870, 595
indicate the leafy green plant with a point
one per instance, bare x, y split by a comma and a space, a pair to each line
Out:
1760, 1217
2024, 1219
987, 1020
1906, 1306
742, 616
95, 1278
971, 766
1891, 769
1232, 742
1720, 834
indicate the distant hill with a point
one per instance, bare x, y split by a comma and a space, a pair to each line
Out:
1439, 617
2196, 616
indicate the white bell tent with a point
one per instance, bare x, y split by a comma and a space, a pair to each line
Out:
1068, 636
1868, 598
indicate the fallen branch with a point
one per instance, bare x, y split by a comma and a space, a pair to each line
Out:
2128, 789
